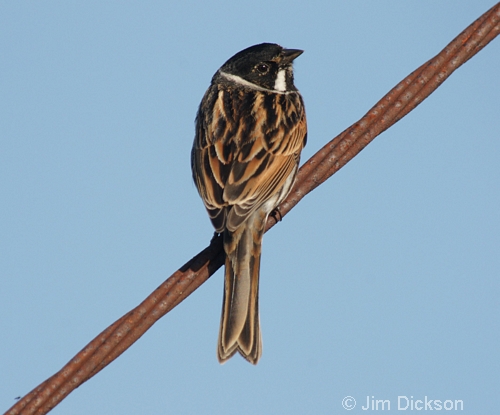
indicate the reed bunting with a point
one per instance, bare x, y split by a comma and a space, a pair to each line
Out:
250, 130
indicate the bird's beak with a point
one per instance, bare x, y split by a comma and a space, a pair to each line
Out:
290, 54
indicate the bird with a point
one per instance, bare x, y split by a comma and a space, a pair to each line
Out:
250, 129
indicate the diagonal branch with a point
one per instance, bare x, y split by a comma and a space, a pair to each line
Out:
403, 98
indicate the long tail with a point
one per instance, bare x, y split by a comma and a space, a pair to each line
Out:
239, 328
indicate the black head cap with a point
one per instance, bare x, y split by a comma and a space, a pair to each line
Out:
260, 64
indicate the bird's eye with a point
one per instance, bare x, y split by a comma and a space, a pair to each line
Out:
263, 68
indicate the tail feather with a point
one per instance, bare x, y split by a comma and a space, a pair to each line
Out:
240, 329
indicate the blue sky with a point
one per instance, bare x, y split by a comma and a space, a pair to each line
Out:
383, 282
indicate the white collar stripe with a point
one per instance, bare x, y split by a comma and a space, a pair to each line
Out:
280, 83
239, 80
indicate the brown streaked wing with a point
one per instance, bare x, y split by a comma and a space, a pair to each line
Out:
209, 171
253, 180
243, 161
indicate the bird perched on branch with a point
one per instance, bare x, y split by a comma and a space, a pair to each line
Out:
250, 130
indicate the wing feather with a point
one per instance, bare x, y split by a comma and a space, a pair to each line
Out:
246, 151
